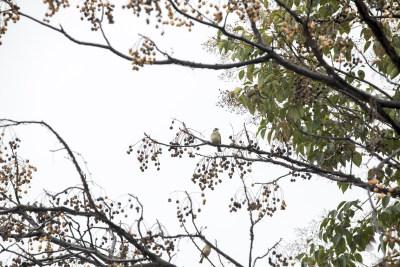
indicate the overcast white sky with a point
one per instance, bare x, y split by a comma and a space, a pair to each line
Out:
100, 106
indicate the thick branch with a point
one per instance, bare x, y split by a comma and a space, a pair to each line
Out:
329, 80
196, 65
378, 32
285, 161
360, 97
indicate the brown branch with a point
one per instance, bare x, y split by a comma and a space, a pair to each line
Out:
374, 69
395, 164
287, 162
378, 32
396, 152
365, 81
62, 31
97, 214
199, 234
358, 96
322, 136
197, 65
69, 152
21, 255
226, 256
331, 81
168, 61
252, 223
254, 27
266, 254
27, 208
202, 237
340, 176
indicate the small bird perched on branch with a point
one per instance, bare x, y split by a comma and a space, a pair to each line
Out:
216, 138
205, 252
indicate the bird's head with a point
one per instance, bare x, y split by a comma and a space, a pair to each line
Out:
215, 129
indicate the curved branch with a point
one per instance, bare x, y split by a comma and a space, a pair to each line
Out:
266, 254
62, 31
287, 162
374, 69
69, 152
20, 208
221, 252
358, 96
168, 61
365, 81
97, 214
378, 32
340, 84
379, 167
196, 65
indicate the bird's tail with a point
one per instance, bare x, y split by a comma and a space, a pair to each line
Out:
201, 259
219, 149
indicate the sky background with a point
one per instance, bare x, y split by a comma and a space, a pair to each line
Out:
94, 100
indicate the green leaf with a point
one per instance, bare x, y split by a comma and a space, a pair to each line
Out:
270, 77
262, 128
269, 136
324, 223
341, 246
394, 73
241, 74
251, 107
361, 74
250, 68
280, 97
321, 256
221, 45
260, 81
389, 67
300, 256
238, 28
357, 159
263, 15
336, 238
249, 75
237, 91
367, 33
358, 257
334, 99
366, 46
340, 205
263, 133
342, 261
385, 201
343, 186
349, 78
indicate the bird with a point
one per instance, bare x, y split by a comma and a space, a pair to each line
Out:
216, 138
205, 252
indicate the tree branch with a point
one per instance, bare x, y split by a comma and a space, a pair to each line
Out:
378, 32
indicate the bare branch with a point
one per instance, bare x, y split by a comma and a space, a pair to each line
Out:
268, 251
